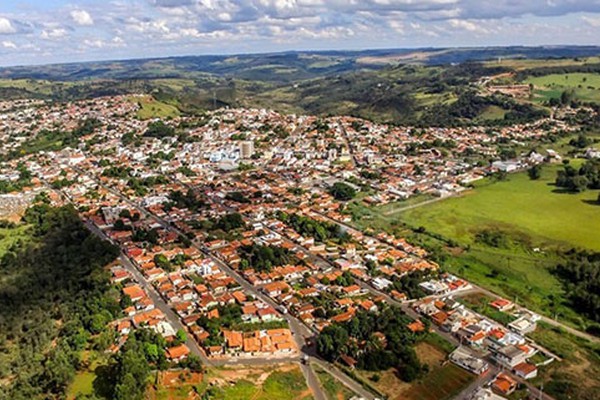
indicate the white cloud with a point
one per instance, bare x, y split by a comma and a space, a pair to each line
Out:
53, 33
82, 18
591, 21
467, 26
7, 44
6, 26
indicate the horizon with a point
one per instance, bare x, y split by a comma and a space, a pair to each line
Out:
299, 51
35, 32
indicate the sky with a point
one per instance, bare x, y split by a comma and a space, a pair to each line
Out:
57, 31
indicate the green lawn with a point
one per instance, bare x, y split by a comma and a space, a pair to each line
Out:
532, 208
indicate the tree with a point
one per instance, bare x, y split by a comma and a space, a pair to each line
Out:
332, 342
162, 262
342, 191
181, 336
535, 172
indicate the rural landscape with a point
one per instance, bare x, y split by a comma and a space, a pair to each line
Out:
262, 222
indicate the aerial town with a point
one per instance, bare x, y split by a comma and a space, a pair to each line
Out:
238, 244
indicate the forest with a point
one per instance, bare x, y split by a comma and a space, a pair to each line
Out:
55, 298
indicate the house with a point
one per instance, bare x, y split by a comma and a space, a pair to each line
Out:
525, 370
504, 384
463, 358
510, 355
178, 353
486, 394
352, 290
381, 283
502, 305
524, 324
349, 361
135, 292
275, 288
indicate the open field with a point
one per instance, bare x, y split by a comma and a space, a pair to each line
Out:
443, 381
258, 383
151, 108
533, 208
88, 381
586, 86
532, 215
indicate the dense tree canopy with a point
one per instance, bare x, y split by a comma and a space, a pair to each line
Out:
57, 276
342, 191
359, 339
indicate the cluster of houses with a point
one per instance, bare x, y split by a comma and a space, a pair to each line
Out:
507, 346
163, 201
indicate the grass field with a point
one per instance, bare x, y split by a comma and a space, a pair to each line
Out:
151, 108
533, 215
332, 387
85, 380
533, 208
586, 86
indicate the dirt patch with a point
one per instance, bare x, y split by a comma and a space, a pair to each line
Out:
179, 378
429, 354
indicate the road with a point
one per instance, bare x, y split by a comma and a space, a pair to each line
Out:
417, 205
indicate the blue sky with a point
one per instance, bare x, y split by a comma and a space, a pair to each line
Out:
50, 31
